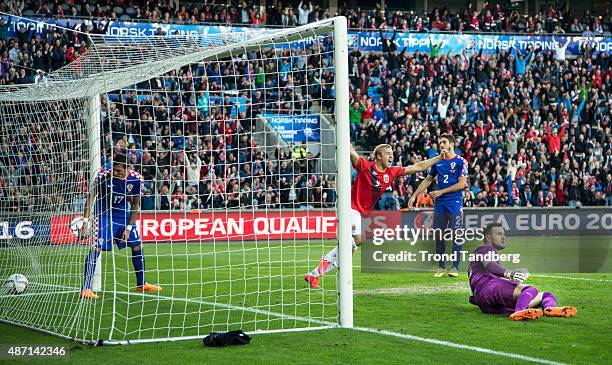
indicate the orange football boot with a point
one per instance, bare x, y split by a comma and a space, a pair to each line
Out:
529, 313
88, 294
148, 287
566, 312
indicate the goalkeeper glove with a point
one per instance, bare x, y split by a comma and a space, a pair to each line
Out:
519, 275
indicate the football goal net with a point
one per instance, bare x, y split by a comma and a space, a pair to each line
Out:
237, 171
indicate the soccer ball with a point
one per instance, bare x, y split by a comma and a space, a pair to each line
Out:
76, 225
16, 284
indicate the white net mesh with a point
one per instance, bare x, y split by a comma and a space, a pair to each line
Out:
232, 214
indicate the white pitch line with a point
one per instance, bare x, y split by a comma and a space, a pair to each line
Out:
363, 329
571, 278
458, 287
34, 294
458, 346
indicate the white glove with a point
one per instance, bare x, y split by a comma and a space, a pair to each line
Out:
519, 275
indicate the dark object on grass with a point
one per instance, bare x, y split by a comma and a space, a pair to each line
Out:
218, 339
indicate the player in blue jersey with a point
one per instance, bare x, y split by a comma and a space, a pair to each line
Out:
117, 201
451, 178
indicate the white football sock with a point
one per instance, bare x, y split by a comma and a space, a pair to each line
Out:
330, 257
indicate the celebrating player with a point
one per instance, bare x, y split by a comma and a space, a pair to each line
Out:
451, 173
116, 220
373, 178
497, 290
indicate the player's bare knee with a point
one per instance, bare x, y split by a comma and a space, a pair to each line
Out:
517, 290
137, 248
357, 240
537, 301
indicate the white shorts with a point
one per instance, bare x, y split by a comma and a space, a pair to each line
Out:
355, 223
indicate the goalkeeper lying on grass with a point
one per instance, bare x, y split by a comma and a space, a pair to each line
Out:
497, 290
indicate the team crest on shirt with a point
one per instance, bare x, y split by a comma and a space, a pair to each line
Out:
129, 188
453, 164
386, 178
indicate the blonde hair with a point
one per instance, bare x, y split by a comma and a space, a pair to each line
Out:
379, 149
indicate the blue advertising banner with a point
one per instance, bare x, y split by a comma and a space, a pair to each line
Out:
34, 230
364, 41
457, 43
139, 30
296, 128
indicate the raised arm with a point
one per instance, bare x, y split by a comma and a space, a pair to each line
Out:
421, 166
354, 157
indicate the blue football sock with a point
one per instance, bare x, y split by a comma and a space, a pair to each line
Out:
138, 262
90, 268
457, 252
440, 249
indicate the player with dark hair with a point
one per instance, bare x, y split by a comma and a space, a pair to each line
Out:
497, 290
373, 178
451, 174
117, 201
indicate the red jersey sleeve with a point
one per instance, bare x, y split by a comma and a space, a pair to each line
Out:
397, 171
362, 164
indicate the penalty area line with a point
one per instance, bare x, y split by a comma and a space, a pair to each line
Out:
458, 346
571, 278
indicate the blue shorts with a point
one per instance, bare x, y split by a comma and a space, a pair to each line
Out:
448, 216
111, 231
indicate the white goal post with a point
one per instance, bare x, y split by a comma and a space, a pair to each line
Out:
240, 141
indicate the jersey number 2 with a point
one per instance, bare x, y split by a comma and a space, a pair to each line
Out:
445, 179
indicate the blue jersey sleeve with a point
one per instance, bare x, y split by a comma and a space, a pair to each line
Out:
135, 184
464, 168
433, 171
137, 191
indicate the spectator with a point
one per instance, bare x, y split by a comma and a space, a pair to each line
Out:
424, 201
304, 11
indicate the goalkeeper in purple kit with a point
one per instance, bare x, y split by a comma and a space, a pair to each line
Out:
497, 290
117, 201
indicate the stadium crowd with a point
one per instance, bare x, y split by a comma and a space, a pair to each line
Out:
192, 142
534, 126
490, 18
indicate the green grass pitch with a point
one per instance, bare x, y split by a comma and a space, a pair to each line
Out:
413, 303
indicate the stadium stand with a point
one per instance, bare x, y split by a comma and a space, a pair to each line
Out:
534, 126
490, 18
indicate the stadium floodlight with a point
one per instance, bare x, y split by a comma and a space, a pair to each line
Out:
230, 254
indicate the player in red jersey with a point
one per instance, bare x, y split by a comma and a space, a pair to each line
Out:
373, 178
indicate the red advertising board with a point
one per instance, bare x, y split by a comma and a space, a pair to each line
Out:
380, 219
189, 226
